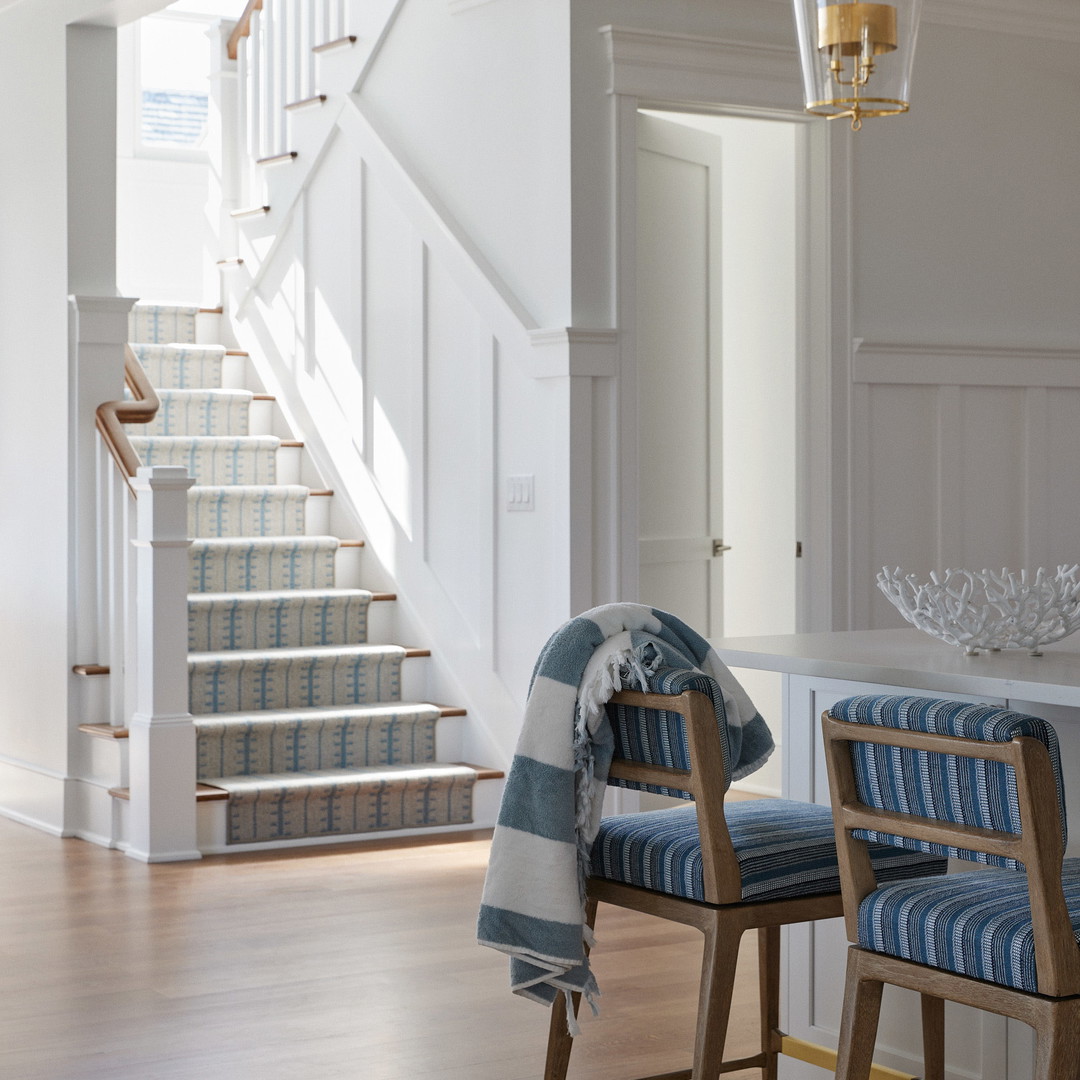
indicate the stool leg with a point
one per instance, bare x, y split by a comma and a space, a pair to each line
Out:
721, 954
769, 997
858, 1026
1057, 1042
933, 1037
560, 1041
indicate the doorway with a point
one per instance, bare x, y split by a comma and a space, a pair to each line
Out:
718, 256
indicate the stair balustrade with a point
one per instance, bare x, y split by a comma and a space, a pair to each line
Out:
131, 552
274, 44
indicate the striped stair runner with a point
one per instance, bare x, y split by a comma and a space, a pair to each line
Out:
299, 717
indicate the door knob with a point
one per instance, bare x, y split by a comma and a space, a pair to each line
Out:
719, 547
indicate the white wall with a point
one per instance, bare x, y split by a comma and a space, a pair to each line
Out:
160, 258
967, 272
36, 622
477, 99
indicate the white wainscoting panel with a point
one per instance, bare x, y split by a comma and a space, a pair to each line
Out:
961, 457
458, 495
393, 344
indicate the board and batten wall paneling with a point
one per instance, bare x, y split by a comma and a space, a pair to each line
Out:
333, 283
458, 471
393, 344
961, 457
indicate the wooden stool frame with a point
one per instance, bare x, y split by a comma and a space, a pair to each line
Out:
722, 918
1054, 1012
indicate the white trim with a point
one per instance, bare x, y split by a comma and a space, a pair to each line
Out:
1056, 21
31, 767
656, 66
969, 365
35, 823
456, 7
570, 351
649, 69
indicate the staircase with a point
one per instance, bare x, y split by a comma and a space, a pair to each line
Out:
308, 727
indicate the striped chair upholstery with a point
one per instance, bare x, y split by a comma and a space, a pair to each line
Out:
965, 791
976, 924
659, 738
784, 848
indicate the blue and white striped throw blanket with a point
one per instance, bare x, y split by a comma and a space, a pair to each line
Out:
533, 901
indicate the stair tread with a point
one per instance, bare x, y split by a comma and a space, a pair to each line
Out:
255, 596
249, 489
319, 540
215, 789
239, 656
297, 715
320, 712
314, 777
227, 392
218, 440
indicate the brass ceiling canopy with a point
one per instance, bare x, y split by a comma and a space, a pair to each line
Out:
856, 57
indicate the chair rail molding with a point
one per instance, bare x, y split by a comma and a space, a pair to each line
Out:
881, 363
573, 351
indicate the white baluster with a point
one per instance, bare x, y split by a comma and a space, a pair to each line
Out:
309, 38
322, 27
266, 77
252, 54
99, 329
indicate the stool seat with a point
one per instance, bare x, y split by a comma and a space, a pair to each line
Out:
784, 849
976, 924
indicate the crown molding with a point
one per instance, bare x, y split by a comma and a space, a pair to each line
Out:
1053, 19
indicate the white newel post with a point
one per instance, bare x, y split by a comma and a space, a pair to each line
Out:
162, 734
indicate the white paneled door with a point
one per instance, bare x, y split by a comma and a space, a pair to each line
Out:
717, 248
679, 377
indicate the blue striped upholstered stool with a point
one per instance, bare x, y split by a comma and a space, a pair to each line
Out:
977, 783
722, 867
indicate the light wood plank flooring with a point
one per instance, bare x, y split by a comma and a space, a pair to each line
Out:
357, 962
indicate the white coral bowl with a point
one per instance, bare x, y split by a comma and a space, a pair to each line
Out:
989, 610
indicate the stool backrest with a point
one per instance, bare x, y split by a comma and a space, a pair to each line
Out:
675, 743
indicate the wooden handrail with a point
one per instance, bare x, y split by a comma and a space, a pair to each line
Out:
242, 28
113, 415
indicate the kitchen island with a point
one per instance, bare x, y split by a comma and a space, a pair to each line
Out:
818, 670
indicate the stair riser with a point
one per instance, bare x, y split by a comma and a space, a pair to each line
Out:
270, 682
349, 809
237, 749
177, 367
226, 462
224, 513
247, 567
213, 823
208, 328
163, 324
189, 416
275, 623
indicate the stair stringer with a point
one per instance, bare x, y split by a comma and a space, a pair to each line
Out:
525, 395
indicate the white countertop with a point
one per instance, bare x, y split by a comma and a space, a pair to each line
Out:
910, 658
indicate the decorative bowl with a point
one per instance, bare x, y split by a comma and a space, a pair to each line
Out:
987, 610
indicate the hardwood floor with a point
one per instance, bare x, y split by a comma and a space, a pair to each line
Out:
356, 962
